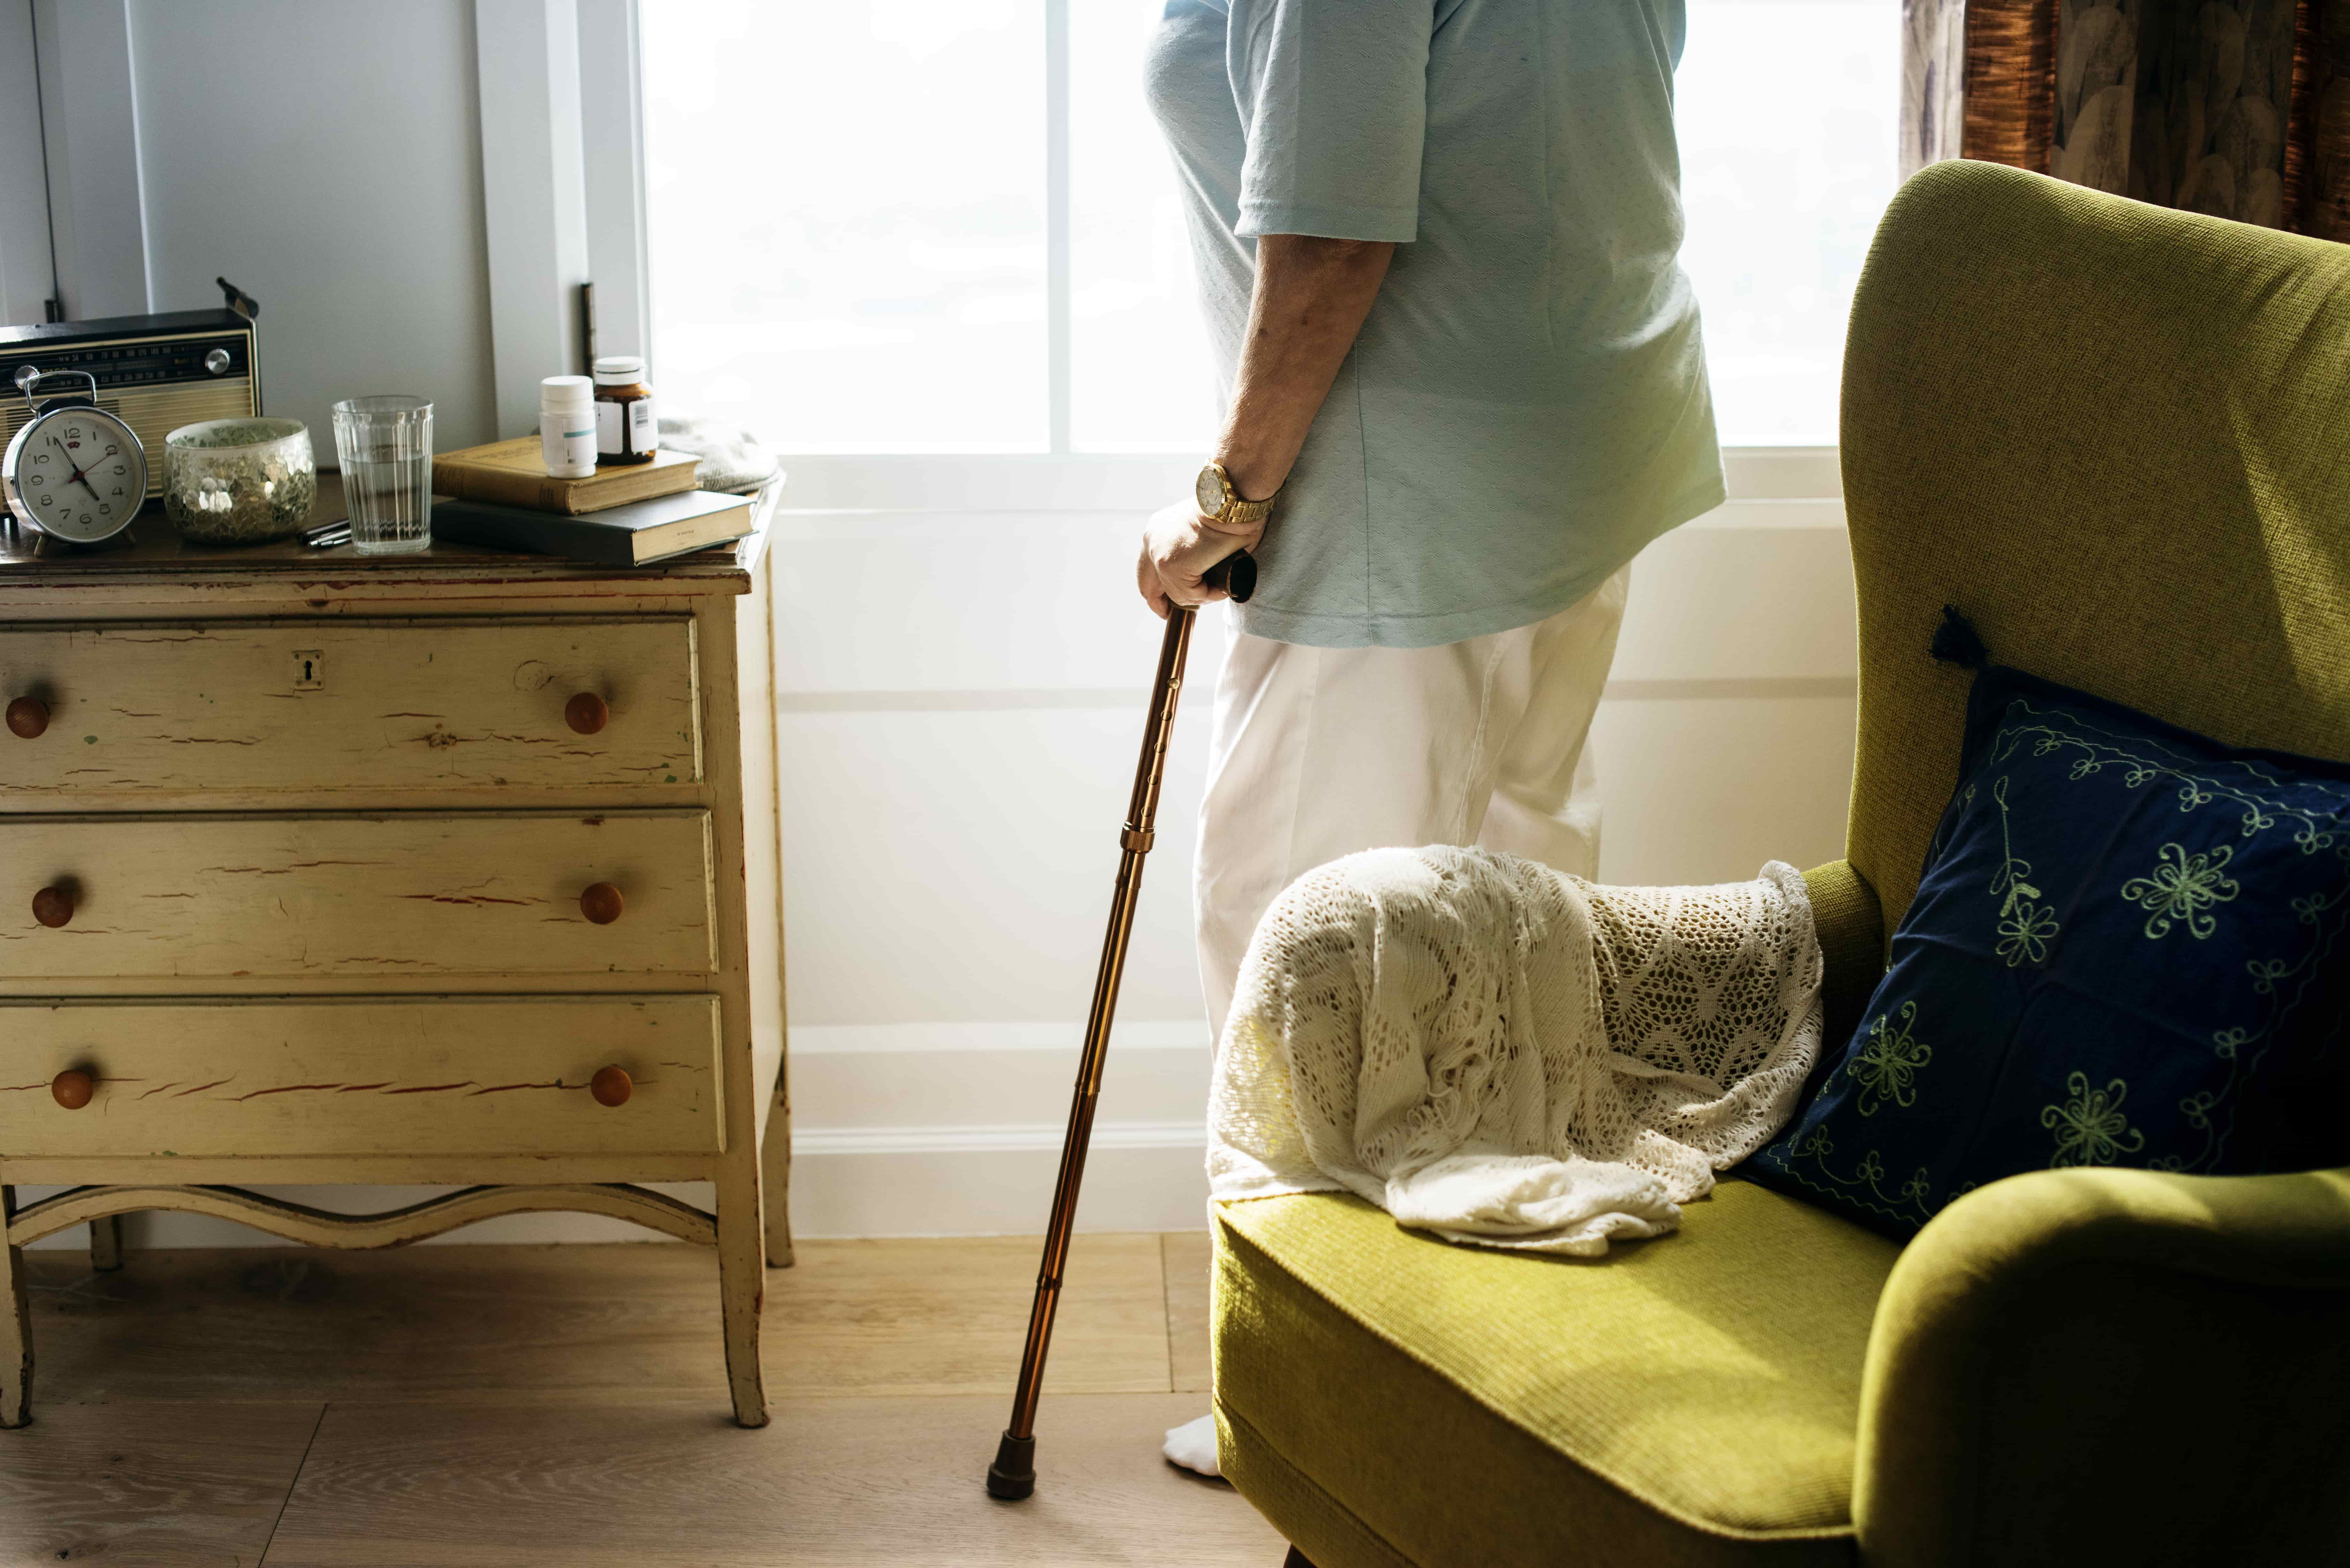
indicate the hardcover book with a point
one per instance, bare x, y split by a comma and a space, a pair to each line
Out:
636, 535
513, 473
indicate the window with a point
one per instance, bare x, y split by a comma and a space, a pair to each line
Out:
1788, 115
846, 220
949, 226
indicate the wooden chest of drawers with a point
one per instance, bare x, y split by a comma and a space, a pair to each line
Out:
453, 869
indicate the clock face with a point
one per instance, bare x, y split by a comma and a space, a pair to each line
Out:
1210, 492
77, 473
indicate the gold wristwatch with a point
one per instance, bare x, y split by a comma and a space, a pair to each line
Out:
1220, 502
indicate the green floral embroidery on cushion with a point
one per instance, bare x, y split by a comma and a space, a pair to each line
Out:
2024, 938
2026, 927
1886, 1068
2261, 796
1866, 1185
2090, 1128
2181, 888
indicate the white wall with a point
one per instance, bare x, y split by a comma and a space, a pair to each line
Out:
325, 157
27, 268
961, 696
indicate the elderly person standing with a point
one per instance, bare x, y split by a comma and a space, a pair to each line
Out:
1437, 242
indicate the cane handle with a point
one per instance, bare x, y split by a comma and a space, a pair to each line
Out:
1235, 574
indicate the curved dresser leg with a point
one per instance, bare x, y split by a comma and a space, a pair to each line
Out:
105, 1244
741, 1283
15, 1327
775, 1171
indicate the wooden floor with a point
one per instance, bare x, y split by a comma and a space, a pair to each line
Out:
567, 1405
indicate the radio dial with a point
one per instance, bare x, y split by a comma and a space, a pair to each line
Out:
216, 361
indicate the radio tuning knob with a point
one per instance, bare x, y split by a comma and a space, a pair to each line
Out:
216, 361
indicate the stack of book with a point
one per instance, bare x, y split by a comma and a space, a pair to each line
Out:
502, 496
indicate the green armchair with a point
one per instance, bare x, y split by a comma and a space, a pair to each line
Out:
2118, 436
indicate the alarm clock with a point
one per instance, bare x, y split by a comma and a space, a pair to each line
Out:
74, 470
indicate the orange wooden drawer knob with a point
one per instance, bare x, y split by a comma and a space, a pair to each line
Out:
611, 1086
587, 714
27, 717
601, 903
72, 1088
53, 907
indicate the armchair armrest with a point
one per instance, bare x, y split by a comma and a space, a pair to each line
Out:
2100, 1365
1851, 927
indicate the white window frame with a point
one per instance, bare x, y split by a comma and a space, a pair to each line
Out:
1041, 482
1055, 480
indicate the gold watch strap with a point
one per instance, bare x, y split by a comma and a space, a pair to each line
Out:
1238, 511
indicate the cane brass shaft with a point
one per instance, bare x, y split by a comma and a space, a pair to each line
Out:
1135, 838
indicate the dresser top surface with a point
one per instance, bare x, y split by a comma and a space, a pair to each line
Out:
154, 555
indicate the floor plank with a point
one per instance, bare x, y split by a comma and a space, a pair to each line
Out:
948, 1315
1184, 1256
557, 1325
140, 1483
832, 1483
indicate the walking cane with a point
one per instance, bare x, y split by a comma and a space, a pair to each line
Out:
1013, 1474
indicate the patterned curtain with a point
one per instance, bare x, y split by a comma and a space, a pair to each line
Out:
2236, 108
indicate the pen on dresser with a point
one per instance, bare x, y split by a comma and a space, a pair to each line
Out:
327, 535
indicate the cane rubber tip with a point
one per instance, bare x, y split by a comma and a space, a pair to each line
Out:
1012, 1476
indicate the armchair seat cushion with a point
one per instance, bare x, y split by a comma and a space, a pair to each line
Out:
1387, 1398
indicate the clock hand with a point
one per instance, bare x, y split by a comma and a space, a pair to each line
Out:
69, 463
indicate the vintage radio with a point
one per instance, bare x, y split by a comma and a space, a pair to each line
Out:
156, 372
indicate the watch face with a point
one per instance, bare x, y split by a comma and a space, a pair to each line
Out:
78, 474
1210, 493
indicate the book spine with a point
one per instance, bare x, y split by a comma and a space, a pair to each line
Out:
543, 534
503, 487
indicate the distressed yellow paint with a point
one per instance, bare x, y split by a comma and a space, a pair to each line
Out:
354, 705
326, 829
346, 897
363, 1077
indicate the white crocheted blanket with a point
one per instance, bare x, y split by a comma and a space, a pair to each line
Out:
1504, 1055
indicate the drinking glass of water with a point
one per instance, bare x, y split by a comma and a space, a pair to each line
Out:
385, 445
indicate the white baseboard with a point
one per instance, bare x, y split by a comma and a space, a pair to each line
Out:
1138, 1177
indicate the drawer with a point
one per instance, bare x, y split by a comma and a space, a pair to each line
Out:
337, 896
362, 1076
338, 704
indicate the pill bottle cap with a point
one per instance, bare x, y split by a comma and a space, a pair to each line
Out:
567, 392
620, 370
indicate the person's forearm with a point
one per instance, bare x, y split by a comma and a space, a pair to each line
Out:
1312, 296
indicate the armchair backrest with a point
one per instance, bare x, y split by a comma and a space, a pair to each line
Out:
2118, 438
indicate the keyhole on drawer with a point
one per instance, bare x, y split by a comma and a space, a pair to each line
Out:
310, 669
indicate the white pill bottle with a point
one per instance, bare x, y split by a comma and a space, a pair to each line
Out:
566, 426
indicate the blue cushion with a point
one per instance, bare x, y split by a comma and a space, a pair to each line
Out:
2128, 948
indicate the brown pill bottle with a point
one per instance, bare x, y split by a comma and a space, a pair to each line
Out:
625, 430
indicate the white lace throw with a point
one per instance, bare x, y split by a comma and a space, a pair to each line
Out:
1504, 1055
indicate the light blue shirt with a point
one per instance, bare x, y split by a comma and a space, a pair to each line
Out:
1526, 406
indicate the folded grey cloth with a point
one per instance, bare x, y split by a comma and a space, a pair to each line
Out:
731, 459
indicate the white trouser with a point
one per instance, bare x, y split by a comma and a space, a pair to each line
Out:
1320, 751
